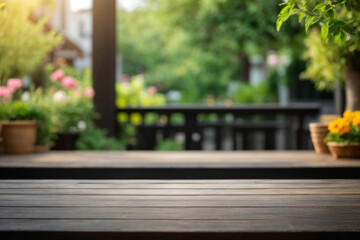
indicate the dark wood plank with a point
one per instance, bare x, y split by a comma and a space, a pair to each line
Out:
141, 209
174, 226
204, 185
143, 191
180, 201
191, 213
178, 165
153, 235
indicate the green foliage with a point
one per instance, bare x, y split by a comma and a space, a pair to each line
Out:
184, 44
45, 133
73, 110
169, 145
23, 42
96, 139
45, 126
19, 110
30, 110
261, 93
335, 45
325, 66
134, 93
352, 136
74, 116
339, 20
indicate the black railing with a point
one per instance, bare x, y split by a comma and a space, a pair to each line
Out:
267, 118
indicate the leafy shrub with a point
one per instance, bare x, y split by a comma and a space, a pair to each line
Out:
260, 93
169, 145
96, 139
23, 42
75, 115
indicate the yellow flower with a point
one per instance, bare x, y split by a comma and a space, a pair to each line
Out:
345, 128
339, 126
356, 121
350, 116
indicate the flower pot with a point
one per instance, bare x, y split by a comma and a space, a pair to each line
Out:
344, 150
18, 136
65, 141
42, 148
318, 132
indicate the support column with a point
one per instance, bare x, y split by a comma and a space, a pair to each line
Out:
104, 60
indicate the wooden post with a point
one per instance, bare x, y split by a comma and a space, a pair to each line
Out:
104, 52
339, 99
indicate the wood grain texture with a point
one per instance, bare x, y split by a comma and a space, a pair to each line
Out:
254, 159
178, 165
179, 209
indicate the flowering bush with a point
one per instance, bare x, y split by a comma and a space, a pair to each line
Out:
345, 129
9, 91
133, 93
72, 99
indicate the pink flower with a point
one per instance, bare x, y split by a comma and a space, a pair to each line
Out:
68, 82
14, 84
77, 93
5, 92
89, 92
152, 90
57, 75
126, 78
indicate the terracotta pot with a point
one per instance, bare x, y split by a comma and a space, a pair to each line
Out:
318, 132
19, 136
42, 148
344, 150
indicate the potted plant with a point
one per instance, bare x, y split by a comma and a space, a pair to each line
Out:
339, 42
18, 126
343, 138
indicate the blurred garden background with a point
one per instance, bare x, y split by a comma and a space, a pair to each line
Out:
168, 53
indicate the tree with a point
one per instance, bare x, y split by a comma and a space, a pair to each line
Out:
340, 30
199, 46
23, 43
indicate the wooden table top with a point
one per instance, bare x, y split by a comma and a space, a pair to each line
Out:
151, 159
171, 164
180, 209
178, 165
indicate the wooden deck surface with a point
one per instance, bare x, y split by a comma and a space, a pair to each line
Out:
180, 209
178, 165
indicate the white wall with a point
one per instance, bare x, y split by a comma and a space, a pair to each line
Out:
77, 28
